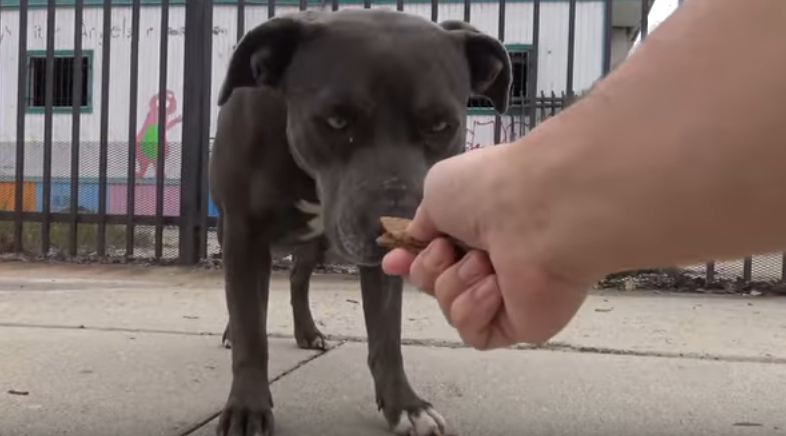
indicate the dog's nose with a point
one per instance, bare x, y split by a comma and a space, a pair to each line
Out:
393, 183
398, 197
400, 202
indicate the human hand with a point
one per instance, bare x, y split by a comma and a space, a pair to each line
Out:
508, 290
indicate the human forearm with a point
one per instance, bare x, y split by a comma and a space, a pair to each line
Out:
701, 174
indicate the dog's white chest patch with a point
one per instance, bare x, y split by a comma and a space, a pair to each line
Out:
316, 226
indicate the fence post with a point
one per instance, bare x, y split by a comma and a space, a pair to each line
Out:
710, 272
534, 65
21, 106
608, 31
196, 105
747, 269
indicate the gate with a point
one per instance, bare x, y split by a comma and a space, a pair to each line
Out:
108, 106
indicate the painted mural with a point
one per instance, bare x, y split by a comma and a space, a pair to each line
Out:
147, 139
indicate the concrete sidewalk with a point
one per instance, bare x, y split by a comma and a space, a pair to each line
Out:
124, 350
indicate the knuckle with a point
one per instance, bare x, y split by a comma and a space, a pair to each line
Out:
463, 321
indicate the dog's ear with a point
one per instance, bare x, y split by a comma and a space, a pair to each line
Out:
489, 63
262, 55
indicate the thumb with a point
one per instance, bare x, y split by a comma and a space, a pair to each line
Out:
422, 226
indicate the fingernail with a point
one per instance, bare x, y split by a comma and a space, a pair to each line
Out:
470, 269
486, 289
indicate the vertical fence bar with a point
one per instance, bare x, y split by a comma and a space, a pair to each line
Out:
710, 272
532, 61
608, 16
1, 76
434, 10
747, 269
132, 126
552, 106
49, 95
204, 197
645, 24
21, 107
467, 10
271, 8
103, 150
783, 268
196, 109
571, 46
241, 19
501, 36
163, 53
76, 109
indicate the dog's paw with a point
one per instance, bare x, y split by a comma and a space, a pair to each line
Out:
245, 421
421, 422
311, 341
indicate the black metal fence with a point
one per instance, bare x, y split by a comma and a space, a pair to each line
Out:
103, 202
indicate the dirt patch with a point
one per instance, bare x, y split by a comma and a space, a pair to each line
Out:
680, 280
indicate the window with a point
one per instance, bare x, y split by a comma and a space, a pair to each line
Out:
64, 84
518, 91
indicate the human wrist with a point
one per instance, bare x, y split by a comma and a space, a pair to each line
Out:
549, 170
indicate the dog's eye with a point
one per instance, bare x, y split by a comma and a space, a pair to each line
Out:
337, 123
439, 126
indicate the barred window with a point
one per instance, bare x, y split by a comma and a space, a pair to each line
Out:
518, 91
64, 83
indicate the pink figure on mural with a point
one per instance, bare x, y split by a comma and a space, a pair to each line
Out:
147, 138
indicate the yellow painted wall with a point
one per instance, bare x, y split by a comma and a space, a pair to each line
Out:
8, 196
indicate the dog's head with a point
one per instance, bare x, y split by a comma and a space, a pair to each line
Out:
374, 98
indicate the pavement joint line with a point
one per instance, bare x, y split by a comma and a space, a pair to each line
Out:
436, 343
202, 423
104, 329
569, 348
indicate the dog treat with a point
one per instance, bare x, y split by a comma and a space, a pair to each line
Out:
396, 236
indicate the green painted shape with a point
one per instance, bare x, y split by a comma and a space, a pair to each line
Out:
149, 143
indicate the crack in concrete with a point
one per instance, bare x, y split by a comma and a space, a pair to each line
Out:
204, 422
437, 343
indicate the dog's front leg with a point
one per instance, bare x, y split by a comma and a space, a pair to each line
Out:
406, 413
247, 263
305, 258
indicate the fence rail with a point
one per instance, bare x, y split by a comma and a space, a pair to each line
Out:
97, 159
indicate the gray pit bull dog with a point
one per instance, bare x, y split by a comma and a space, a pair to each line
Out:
327, 122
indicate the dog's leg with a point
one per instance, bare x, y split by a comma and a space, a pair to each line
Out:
304, 259
226, 338
247, 264
405, 412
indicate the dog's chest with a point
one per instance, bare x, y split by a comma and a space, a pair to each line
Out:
310, 219
299, 222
